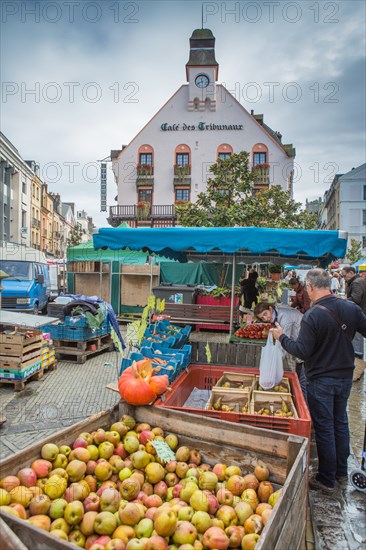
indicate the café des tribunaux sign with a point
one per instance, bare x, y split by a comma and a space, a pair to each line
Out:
202, 126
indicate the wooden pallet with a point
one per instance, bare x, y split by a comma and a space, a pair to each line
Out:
79, 353
19, 385
80, 345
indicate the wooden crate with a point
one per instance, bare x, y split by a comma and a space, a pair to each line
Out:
284, 382
236, 379
273, 401
235, 399
18, 336
286, 456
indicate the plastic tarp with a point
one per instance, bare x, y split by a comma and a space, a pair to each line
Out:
202, 273
277, 245
360, 265
86, 252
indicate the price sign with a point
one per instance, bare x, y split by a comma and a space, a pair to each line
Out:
164, 452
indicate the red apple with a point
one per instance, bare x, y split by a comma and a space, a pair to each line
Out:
27, 477
42, 467
80, 442
91, 503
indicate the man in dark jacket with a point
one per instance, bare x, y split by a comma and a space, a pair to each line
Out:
325, 345
356, 292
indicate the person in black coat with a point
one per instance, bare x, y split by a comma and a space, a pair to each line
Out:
325, 345
248, 290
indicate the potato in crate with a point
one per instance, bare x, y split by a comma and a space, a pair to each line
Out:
236, 381
271, 404
228, 401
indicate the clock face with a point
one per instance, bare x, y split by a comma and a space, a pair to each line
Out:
202, 81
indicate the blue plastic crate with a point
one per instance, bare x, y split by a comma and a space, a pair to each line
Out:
77, 321
78, 333
56, 331
157, 338
186, 350
170, 355
125, 363
103, 329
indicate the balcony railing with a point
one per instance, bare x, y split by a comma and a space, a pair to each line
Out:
145, 170
182, 170
36, 223
182, 174
152, 213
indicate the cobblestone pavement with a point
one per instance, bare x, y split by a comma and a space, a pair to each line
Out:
60, 398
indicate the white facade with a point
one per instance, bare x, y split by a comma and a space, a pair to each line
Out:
15, 195
84, 221
352, 205
202, 119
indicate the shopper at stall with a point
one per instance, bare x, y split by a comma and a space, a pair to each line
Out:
290, 321
356, 292
301, 300
334, 283
325, 345
248, 290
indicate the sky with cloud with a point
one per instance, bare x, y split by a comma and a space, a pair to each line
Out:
80, 78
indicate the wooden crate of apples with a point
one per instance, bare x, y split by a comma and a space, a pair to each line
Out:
133, 487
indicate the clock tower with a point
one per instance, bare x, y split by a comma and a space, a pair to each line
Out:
202, 71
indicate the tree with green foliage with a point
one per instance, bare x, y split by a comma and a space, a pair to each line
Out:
230, 200
75, 235
354, 252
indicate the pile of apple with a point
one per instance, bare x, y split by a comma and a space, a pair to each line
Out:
112, 492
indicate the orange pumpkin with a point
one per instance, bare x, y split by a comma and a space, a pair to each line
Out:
159, 384
134, 386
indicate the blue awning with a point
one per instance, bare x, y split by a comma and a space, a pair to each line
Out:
182, 243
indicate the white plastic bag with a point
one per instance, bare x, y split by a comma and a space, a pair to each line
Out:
271, 364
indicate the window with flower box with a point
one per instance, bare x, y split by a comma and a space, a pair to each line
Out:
259, 158
182, 195
144, 195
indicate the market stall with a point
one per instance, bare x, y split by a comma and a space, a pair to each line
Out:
235, 244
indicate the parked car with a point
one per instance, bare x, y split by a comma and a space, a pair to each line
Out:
27, 287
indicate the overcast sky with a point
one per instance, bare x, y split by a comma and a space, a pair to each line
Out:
80, 78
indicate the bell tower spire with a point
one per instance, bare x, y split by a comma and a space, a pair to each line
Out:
202, 71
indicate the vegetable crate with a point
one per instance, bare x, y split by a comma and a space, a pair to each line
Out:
186, 350
206, 376
18, 336
245, 446
19, 344
234, 400
236, 381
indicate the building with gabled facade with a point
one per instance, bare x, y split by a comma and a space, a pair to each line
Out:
168, 161
344, 205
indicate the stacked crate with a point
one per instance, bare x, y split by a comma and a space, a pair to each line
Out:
48, 353
20, 355
75, 341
